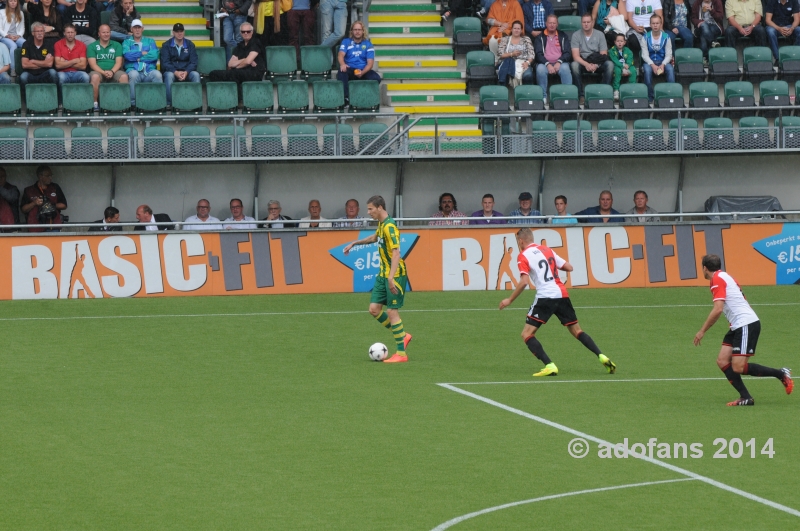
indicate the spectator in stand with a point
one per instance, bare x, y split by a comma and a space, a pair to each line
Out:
178, 60
44, 190
501, 15
638, 17
85, 19
487, 212
624, 67
272, 30
12, 27
589, 54
586, 6
274, 209
141, 57
104, 5
5, 65
144, 214
351, 217
744, 20
9, 202
333, 18
105, 62
553, 54
536, 13
656, 56
302, 15
677, 22
121, 19
237, 214
356, 58
525, 210
707, 18
562, 216
202, 220
782, 19
600, 13
514, 58
236, 15
247, 62
37, 59
448, 209
46, 13
602, 210
110, 221
71, 59
642, 210
314, 219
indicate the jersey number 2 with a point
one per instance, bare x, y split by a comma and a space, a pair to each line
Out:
543, 264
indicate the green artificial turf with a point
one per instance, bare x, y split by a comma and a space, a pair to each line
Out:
266, 413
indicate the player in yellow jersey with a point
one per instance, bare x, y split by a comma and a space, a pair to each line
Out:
390, 283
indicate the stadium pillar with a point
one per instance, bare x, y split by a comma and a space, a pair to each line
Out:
398, 191
541, 185
257, 179
113, 183
679, 198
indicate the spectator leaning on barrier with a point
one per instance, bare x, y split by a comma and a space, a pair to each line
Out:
121, 19
601, 210
178, 60
43, 201
202, 220
110, 221
641, 209
562, 216
314, 219
247, 62
351, 218
524, 211
356, 58
12, 27
37, 59
589, 54
105, 62
782, 19
141, 57
144, 214
448, 209
71, 59
274, 209
9, 202
552, 54
237, 214
85, 19
744, 20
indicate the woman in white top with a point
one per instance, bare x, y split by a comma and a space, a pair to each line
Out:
12, 27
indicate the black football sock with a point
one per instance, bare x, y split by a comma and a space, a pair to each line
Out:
537, 349
754, 369
736, 381
588, 342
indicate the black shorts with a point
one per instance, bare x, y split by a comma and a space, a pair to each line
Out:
542, 309
743, 339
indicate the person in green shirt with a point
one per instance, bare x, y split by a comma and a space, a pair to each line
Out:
105, 62
622, 57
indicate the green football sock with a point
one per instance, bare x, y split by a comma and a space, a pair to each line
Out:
399, 336
383, 319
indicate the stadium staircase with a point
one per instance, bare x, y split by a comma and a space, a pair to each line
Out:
415, 59
158, 18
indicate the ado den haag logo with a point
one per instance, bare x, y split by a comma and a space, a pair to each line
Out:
784, 250
365, 260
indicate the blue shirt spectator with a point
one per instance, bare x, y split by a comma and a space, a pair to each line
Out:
178, 60
356, 54
525, 210
601, 210
141, 54
536, 14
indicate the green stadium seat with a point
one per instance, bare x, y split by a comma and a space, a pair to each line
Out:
302, 140
690, 137
669, 95
569, 137
493, 99
648, 135
569, 24
480, 69
210, 59
18, 60
704, 95
544, 137
528, 98
633, 96
159, 142
599, 96
564, 98
718, 134
689, 65
41, 98
789, 62
48, 143
754, 133
281, 62
757, 61
86, 142
612, 136
367, 133
122, 141
345, 145
10, 99
739, 94
774, 93
196, 142
115, 98
328, 96
267, 141
225, 141
723, 64
316, 62
151, 98
257, 96
787, 130
105, 17
222, 96
13, 143
467, 35
187, 98
365, 95
78, 98
293, 97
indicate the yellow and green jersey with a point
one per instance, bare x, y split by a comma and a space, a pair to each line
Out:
389, 240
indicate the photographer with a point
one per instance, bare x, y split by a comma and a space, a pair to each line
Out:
43, 201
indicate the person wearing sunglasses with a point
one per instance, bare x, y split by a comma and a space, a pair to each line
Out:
247, 61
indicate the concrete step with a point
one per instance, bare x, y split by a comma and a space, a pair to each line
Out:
373, 26
420, 75
403, 8
440, 109
413, 64
169, 9
443, 131
430, 99
410, 41
425, 88
191, 34
397, 32
170, 20
407, 19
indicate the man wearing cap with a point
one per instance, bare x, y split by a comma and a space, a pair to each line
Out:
525, 210
178, 60
247, 62
141, 57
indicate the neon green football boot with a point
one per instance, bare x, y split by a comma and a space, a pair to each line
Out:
610, 366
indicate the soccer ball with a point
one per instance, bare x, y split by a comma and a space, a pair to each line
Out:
378, 352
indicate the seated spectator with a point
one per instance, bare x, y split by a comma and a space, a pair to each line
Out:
144, 214
141, 57
601, 210
501, 15
624, 69
121, 19
85, 19
553, 54
9, 202
272, 30
677, 22
600, 13
46, 13
656, 56
536, 13
5, 65
178, 60
562, 216
37, 59
314, 219
351, 218
71, 59
744, 20
525, 210
202, 220
356, 58
302, 15
638, 17
488, 212
247, 62
448, 209
589, 54
237, 214
105, 62
43, 201
782, 19
641, 209
236, 15
707, 18
110, 221
514, 57
12, 27
274, 209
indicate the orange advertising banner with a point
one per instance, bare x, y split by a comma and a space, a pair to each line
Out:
140, 264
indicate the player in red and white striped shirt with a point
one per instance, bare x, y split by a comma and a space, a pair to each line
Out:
739, 343
541, 264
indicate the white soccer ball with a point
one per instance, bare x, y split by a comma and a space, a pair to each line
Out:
378, 352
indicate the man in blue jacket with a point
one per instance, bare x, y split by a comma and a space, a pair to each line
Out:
141, 58
601, 211
536, 13
178, 60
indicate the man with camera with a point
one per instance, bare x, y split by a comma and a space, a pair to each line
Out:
43, 201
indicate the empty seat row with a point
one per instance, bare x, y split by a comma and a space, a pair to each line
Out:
723, 64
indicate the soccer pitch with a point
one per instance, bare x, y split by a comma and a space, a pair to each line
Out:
266, 413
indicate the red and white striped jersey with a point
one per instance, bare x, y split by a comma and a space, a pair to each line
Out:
541, 264
737, 310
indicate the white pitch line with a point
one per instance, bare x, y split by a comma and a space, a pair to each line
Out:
349, 312
643, 457
552, 381
450, 523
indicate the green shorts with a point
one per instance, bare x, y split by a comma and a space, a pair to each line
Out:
382, 295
